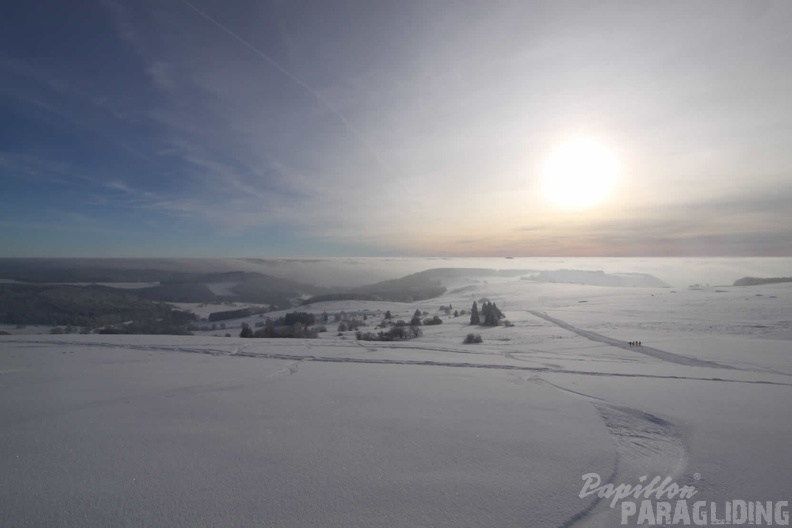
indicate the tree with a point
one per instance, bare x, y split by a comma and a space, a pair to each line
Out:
246, 331
489, 315
474, 315
388, 315
492, 315
298, 330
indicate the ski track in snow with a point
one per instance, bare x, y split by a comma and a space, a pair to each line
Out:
238, 352
645, 444
649, 351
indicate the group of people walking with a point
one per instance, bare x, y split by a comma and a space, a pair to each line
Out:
635, 343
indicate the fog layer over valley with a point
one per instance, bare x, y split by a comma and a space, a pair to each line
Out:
343, 272
207, 430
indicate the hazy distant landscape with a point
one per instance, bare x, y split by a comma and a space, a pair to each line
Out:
93, 294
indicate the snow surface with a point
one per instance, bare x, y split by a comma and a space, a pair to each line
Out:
102, 430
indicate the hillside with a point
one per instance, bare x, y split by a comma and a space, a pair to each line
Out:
755, 281
89, 306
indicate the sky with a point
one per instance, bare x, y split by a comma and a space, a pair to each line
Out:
353, 128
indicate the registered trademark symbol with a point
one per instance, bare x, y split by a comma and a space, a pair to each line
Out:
697, 476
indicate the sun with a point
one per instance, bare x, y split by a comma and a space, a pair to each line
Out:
579, 174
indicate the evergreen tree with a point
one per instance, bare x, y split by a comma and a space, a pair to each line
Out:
474, 315
489, 318
492, 315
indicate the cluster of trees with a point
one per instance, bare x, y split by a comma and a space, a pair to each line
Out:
177, 322
307, 325
490, 312
235, 314
299, 325
302, 325
350, 324
419, 318
426, 321
397, 333
432, 321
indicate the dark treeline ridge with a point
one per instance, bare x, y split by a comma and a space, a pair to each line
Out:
756, 281
173, 286
235, 314
415, 287
88, 306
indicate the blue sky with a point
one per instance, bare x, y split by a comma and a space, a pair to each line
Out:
288, 128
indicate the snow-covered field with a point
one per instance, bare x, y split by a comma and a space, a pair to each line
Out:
104, 430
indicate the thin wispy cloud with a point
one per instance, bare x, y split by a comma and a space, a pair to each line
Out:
327, 104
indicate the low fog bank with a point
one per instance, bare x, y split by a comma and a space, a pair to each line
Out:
358, 271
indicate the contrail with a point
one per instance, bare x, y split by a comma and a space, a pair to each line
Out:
296, 80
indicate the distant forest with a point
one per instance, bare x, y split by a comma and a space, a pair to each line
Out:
89, 306
755, 281
36, 301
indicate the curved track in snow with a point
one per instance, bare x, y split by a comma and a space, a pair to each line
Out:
649, 351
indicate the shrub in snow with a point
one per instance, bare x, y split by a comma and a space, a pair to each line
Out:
472, 339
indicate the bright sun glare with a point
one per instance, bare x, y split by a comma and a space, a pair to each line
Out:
579, 174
